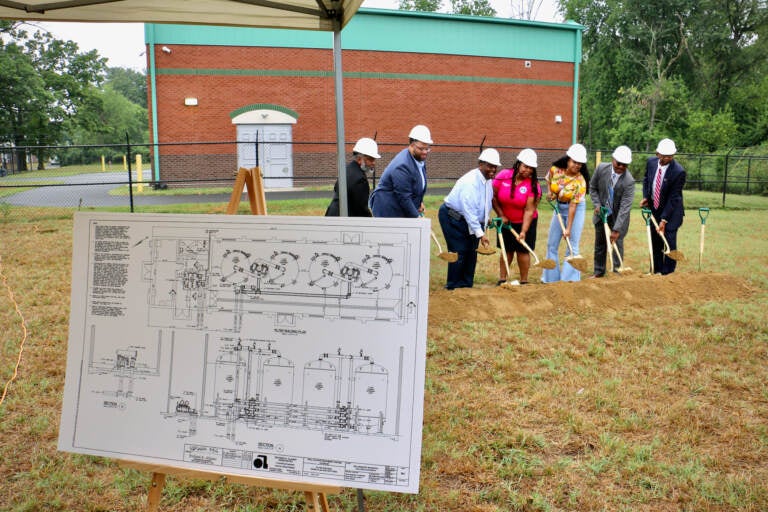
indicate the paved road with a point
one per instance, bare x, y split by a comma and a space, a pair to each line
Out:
92, 190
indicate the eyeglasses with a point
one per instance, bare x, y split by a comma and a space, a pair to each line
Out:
423, 149
621, 164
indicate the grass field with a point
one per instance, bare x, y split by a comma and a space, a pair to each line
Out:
622, 394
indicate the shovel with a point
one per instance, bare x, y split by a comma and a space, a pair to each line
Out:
547, 263
497, 224
608, 244
486, 250
622, 269
450, 257
577, 261
703, 214
647, 217
675, 255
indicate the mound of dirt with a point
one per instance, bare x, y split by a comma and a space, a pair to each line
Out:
606, 294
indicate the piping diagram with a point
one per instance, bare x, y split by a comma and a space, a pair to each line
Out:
290, 348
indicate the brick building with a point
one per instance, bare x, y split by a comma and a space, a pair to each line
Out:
511, 83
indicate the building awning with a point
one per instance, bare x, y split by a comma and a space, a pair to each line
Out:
294, 14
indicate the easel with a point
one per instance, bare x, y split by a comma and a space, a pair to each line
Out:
314, 495
250, 178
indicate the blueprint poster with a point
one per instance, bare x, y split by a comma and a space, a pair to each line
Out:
290, 348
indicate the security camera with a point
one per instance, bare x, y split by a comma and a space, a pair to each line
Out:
166, 49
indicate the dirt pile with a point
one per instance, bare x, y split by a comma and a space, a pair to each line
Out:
612, 293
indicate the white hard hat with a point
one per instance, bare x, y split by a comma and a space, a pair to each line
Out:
577, 153
420, 133
528, 157
622, 154
368, 147
666, 147
491, 156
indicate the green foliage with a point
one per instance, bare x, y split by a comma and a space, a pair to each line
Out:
420, 5
53, 94
129, 83
692, 70
465, 7
473, 7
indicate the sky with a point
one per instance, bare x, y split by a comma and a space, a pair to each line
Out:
123, 43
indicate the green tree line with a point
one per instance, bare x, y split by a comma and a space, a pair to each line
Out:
692, 70
53, 94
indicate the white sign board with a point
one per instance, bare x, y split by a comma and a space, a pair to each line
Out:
290, 348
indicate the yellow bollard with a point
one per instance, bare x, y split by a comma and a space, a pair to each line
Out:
139, 172
125, 163
103, 167
598, 158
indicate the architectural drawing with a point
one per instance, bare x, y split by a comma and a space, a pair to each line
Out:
290, 348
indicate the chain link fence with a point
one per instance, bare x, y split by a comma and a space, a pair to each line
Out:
45, 181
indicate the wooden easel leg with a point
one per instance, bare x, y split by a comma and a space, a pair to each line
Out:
155, 492
316, 501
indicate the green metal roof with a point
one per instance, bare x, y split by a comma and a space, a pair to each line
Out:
400, 31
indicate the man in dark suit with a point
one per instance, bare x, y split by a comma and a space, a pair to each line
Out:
613, 187
663, 194
401, 189
365, 153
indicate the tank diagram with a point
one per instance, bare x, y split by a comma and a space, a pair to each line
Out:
252, 386
289, 275
290, 348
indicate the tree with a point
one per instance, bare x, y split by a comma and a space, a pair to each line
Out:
466, 7
525, 9
420, 5
46, 81
129, 83
647, 54
472, 8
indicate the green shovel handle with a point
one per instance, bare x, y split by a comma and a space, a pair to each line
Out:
647, 216
703, 214
604, 214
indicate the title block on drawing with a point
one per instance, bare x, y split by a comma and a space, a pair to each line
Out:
286, 348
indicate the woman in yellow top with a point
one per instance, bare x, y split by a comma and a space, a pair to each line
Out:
568, 184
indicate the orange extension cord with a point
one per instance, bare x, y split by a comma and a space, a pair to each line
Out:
23, 327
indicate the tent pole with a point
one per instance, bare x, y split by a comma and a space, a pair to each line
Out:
339, 94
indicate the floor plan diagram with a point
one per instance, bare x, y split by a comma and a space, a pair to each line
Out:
281, 347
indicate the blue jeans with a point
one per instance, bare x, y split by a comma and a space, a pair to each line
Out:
564, 272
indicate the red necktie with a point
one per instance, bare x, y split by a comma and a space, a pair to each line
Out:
657, 189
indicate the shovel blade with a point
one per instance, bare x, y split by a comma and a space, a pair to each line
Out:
450, 257
676, 255
486, 250
577, 262
548, 264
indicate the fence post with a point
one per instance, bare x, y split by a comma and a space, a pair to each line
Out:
749, 171
130, 171
701, 178
725, 175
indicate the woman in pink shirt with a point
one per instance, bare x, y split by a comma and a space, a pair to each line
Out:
516, 194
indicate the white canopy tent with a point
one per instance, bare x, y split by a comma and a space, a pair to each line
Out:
328, 15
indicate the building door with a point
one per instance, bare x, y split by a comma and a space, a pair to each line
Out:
275, 152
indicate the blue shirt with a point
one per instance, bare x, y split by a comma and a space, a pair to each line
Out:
471, 196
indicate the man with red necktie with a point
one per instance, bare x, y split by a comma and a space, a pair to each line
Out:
663, 194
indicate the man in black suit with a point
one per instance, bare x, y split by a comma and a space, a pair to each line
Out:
663, 194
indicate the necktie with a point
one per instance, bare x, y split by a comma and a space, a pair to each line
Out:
657, 189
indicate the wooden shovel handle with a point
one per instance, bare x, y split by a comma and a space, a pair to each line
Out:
524, 244
663, 238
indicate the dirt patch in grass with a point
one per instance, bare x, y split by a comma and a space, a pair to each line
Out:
608, 294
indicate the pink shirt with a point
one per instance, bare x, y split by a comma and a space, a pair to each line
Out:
511, 198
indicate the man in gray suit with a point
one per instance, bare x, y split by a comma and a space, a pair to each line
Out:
613, 187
